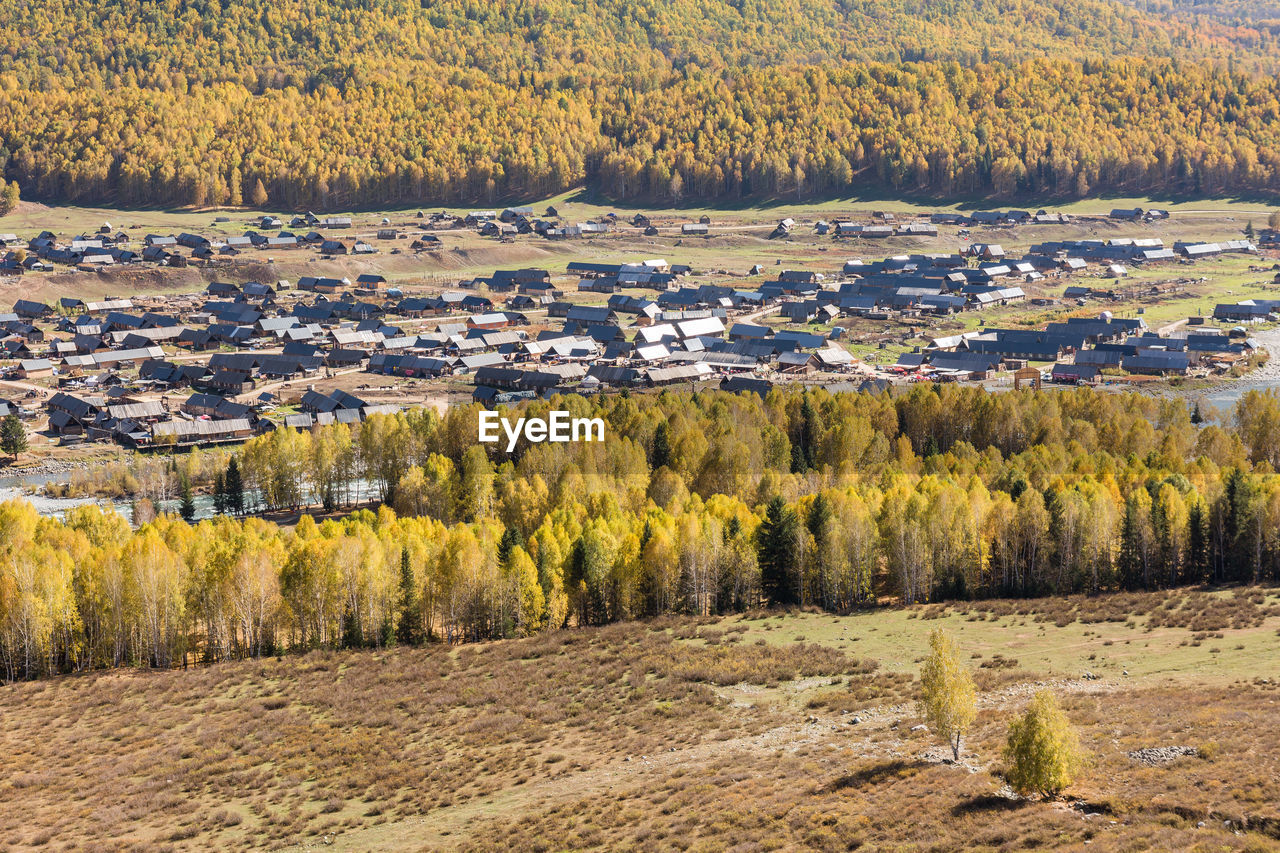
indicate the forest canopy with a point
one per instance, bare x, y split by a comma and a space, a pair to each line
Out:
698, 503
340, 105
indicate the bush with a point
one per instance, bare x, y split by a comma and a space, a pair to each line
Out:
1043, 752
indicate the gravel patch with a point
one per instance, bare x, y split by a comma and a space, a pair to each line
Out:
1156, 755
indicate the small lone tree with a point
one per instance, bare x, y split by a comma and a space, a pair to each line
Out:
1043, 752
948, 699
13, 438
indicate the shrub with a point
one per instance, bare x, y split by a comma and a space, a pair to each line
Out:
1043, 752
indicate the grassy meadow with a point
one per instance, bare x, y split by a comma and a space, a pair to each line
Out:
758, 731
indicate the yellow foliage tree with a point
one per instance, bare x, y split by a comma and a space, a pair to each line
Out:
1043, 751
948, 699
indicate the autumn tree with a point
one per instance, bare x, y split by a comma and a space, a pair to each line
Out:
8, 197
1042, 753
948, 699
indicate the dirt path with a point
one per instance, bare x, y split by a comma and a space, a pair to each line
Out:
449, 826
763, 312
25, 387
289, 383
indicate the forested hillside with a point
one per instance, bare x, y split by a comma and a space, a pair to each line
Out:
704, 503
331, 104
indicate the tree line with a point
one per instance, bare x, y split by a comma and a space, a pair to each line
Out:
1057, 128
696, 503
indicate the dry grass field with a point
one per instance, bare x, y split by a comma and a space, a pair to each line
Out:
755, 732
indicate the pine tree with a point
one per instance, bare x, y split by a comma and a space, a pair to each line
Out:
408, 615
1129, 562
1197, 568
352, 636
187, 505
13, 437
219, 493
661, 446
776, 540
235, 488
819, 515
1197, 417
510, 539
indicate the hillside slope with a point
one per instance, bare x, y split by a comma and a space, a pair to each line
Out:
782, 731
334, 104
266, 45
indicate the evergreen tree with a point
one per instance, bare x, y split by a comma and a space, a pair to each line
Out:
235, 488
408, 612
1129, 563
1197, 417
352, 636
219, 493
510, 539
776, 541
13, 437
187, 504
661, 446
1243, 533
819, 515
1197, 568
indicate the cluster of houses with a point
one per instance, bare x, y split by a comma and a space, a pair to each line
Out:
1080, 349
1009, 218
113, 413
330, 235
1247, 311
517, 333
105, 248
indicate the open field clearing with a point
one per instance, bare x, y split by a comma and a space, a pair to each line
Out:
752, 732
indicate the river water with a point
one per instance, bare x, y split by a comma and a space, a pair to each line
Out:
29, 489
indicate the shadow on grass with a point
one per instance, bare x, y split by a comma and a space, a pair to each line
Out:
885, 771
987, 804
